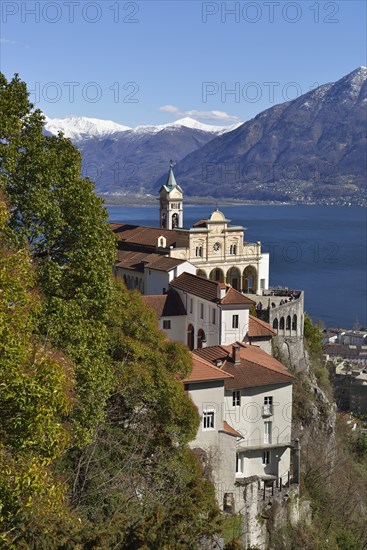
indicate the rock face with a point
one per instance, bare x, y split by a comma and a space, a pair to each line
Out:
312, 146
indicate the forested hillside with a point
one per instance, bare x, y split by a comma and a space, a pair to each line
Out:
94, 420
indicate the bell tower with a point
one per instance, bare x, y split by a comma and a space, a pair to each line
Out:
170, 203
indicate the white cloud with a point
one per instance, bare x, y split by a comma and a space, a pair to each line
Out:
169, 109
219, 116
6, 41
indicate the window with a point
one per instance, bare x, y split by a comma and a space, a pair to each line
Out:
234, 321
191, 305
233, 249
267, 432
213, 316
238, 464
268, 405
236, 398
208, 420
266, 457
166, 325
201, 311
201, 338
199, 251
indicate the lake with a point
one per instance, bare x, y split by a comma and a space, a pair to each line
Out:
319, 249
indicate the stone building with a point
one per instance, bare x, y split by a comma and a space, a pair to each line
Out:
217, 249
244, 398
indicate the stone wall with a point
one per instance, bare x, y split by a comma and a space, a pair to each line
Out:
264, 512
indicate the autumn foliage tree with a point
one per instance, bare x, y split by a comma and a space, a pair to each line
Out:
129, 479
35, 398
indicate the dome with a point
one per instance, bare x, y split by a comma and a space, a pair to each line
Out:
217, 216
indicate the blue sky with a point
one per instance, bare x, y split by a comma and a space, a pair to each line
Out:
156, 61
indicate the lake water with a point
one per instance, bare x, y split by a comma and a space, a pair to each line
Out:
320, 249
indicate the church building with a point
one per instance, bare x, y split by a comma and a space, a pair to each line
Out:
212, 248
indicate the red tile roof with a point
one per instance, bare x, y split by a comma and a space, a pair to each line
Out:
127, 259
257, 328
204, 371
198, 286
233, 297
209, 290
256, 368
229, 430
162, 263
141, 235
201, 223
166, 305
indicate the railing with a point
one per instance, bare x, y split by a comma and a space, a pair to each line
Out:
282, 292
265, 441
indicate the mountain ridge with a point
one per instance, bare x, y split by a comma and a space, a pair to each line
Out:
309, 149
312, 148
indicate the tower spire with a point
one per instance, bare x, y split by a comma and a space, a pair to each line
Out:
171, 181
170, 197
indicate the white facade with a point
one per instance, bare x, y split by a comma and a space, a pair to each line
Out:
157, 281
234, 324
210, 323
152, 281
244, 431
212, 437
263, 416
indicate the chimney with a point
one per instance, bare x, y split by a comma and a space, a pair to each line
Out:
236, 350
222, 290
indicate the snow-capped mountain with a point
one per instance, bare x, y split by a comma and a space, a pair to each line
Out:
119, 158
311, 148
77, 128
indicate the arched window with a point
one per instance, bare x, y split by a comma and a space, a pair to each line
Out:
281, 324
217, 274
164, 221
288, 323
250, 279
294, 322
201, 338
275, 324
199, 251
174, 220
190, 337
233, 249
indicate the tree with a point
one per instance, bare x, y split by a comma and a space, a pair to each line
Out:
57, 214
35, 398
138, 483
128, 473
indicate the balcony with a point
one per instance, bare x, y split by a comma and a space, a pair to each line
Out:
267, 410
260, 443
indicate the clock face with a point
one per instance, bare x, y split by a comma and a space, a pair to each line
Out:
216, 247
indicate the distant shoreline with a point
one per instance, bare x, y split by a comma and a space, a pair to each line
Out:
150, 200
